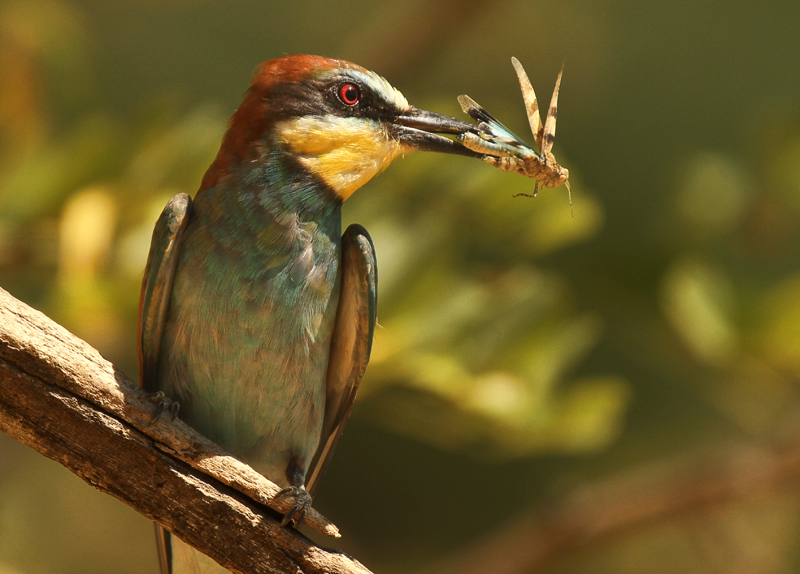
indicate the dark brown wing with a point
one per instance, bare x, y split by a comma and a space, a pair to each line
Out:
159, 275
350, 345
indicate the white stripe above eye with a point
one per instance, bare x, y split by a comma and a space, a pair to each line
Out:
380, 86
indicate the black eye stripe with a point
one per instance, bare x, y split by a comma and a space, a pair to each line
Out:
321, 97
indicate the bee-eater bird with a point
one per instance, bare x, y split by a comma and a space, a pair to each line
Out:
256, 313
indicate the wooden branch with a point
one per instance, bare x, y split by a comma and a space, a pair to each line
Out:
59, 396
628, 503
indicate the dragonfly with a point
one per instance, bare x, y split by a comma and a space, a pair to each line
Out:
506, 151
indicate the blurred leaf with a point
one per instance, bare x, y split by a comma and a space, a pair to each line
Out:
698, 301
45, 176
87, 228
780, 338
714, 193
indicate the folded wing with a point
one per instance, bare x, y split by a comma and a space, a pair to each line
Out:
350, 345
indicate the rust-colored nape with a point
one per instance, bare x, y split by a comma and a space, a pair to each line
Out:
249, 123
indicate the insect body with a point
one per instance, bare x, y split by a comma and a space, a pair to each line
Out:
506, 151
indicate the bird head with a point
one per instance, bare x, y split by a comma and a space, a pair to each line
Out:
341, 123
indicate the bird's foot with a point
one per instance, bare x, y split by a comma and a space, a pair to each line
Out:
163, 404
302, 502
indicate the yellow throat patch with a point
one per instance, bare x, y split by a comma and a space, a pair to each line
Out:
344, 152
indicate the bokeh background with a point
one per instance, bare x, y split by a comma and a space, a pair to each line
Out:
530, 365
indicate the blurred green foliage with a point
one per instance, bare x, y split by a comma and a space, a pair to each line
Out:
520, 349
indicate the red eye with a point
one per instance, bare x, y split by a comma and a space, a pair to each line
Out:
349, 94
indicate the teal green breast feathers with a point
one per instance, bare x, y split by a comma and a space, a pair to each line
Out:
256, 312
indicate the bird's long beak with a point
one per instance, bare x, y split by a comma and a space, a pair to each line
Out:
420, 129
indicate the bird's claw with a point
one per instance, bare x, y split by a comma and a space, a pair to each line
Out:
163, 404
302, 502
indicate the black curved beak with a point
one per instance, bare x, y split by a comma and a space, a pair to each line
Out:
420, 129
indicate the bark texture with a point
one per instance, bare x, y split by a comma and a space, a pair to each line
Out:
59, 396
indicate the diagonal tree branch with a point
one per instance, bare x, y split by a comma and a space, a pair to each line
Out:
59, 396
